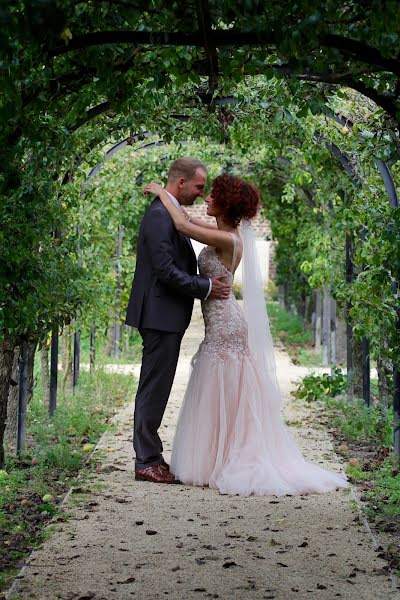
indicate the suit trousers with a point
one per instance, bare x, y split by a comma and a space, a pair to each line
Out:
159, 360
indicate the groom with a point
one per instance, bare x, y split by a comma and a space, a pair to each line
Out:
160, 306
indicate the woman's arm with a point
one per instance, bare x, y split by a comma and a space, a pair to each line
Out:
211, 237
199, 222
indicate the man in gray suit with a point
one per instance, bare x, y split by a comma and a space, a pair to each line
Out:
160, 307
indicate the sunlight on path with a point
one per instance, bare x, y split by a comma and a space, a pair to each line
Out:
140, 540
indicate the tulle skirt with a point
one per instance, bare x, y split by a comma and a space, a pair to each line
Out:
230, 435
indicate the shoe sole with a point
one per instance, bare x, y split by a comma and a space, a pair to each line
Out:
152, 481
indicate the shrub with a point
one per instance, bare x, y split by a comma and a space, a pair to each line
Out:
315, 387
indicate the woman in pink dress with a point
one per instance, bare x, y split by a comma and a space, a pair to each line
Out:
230, 434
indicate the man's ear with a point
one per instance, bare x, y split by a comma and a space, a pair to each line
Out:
181, 181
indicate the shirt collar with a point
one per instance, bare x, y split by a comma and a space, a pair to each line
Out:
174, 200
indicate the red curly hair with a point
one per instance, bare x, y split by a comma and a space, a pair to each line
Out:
235, 198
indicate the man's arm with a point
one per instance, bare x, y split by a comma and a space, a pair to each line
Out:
158, 232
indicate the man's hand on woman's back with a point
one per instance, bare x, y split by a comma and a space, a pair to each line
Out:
220, 289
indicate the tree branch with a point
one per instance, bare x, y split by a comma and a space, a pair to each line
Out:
361, 52
91, 114
217, 38
389, 105
160, 38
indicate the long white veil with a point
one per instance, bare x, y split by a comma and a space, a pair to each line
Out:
255, 311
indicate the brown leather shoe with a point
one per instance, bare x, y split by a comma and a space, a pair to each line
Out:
156, 474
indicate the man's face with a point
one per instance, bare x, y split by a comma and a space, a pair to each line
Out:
190, 189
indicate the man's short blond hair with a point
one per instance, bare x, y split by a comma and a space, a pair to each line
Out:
185, 167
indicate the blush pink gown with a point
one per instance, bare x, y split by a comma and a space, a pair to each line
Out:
229, 436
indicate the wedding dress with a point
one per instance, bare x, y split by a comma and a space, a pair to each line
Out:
230, 434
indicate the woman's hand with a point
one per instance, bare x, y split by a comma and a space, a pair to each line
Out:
153, 188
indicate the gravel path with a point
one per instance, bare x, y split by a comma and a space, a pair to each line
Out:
127, 539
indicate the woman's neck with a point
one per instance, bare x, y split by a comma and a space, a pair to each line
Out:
222, 226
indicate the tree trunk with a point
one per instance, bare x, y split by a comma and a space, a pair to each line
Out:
309, 308
385, 383
126, 338
44, 359
10, 433
110, 341
357, 368
6, 364
281, 292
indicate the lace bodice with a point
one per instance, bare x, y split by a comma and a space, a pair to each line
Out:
225, 325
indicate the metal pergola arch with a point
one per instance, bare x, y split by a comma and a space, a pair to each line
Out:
384, 170
335, 151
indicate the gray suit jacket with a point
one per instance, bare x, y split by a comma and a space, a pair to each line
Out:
165, 281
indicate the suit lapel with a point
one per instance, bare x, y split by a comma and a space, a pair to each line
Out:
187, 240
189, 243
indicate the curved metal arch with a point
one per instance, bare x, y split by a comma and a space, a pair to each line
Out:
114, 149
388, 182
382, 166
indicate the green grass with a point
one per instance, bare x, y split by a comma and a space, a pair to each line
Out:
131, 349
286, 325
358, 422
52, 460
289, 329
383, 497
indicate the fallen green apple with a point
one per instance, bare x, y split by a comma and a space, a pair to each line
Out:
88, 447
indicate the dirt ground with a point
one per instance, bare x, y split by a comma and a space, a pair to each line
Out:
125, 539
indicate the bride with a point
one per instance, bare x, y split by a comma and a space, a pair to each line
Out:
230, 434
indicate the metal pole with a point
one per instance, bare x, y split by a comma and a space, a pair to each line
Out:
76, 360
333, 333
77, 336
53, 370
396, 408
117, 327
325, 326
366, 367
349, 326
396, 388
318, 311
92, 350
394, 202
116, 336
22, 396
